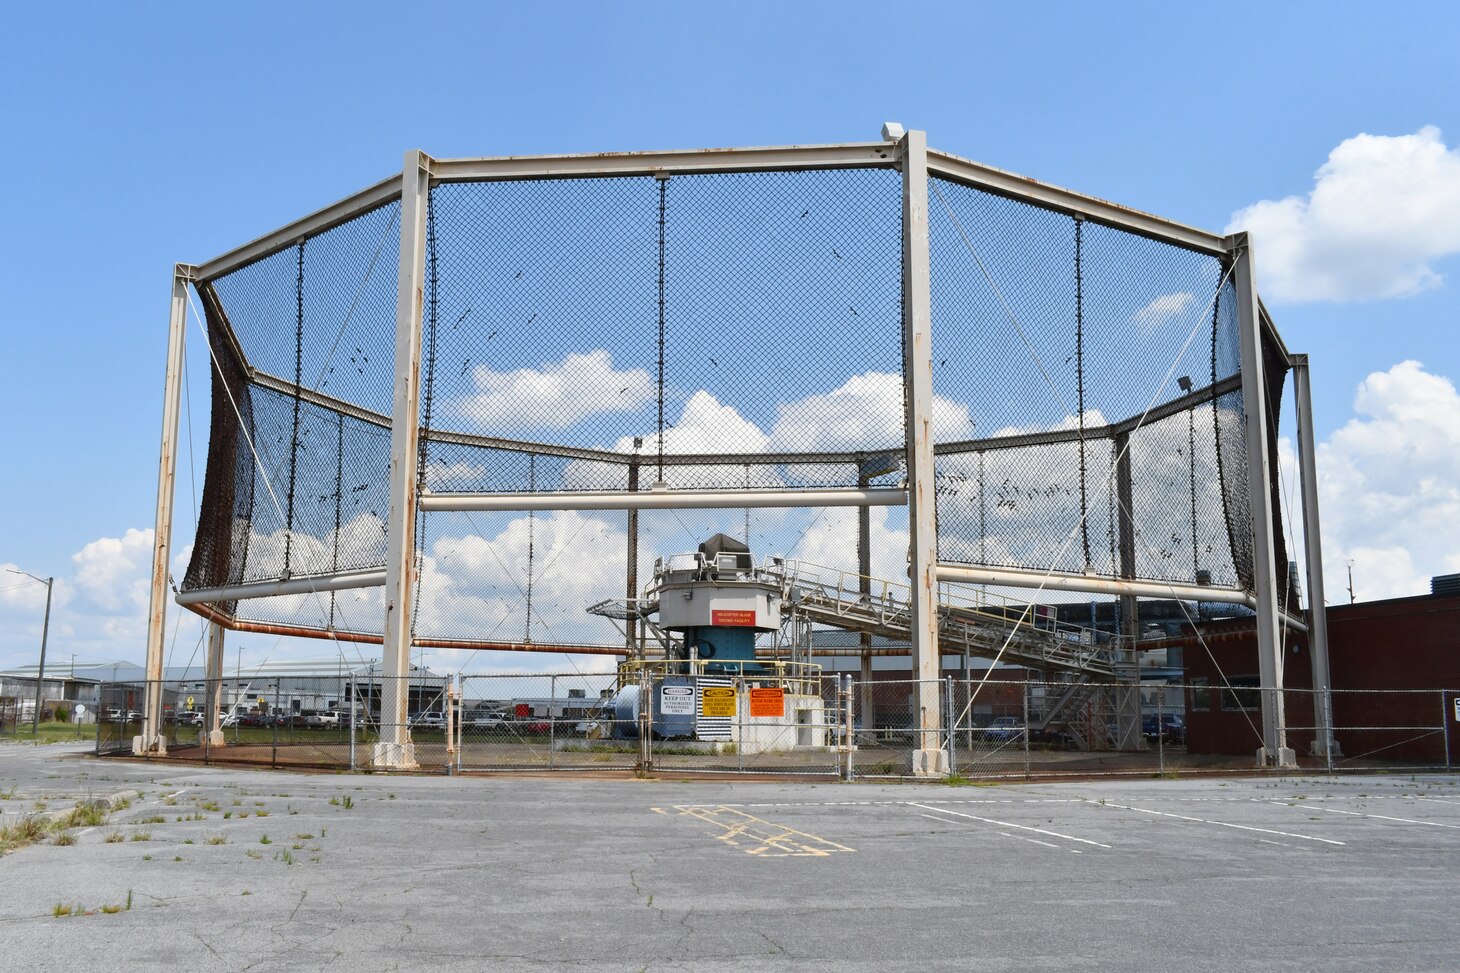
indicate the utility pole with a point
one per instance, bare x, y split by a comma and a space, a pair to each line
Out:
1350, 581
35, 718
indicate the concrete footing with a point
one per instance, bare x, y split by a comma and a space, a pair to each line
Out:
140, 746
394, 756
211, 738
930, 763
1285, 757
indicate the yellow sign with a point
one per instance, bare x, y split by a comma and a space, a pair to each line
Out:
263, 704
717, 701
190, 702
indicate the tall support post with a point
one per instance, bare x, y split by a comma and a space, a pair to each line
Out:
151, 741
864, 591
929, 759
212, 732
1128, 734
1313, 548
1274, 751
395, 749
631, 586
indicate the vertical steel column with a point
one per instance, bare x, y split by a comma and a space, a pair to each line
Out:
1127, 709
1313, 549
1274, 750
395, 748
631, 586
864, 591
151, 738
929, 759
212, 732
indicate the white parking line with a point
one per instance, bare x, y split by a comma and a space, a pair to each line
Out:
1005, 834
1008, 824
1220, 824
1381, 817
1436, 800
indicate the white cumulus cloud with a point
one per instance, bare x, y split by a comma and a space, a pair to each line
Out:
1383, 211
1161, 310
557, 395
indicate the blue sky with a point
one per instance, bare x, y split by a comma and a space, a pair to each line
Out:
140, 136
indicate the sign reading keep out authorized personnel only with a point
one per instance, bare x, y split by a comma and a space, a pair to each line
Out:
767, 701
676, 701
717, 700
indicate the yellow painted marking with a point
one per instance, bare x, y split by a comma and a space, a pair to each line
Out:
765, 839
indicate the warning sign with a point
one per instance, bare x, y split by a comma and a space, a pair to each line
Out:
717, 701
732, 616
676, 701
190, 702
767, 702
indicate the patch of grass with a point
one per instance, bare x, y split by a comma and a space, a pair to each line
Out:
129, 900
177, 858
261, 814
286, 857
297, 846
141, 836
152, 819
121, 803
390, 796
146, 858
253, 854
264, 840
304, 837
187, 841
113, 837
245, 892
227, 815
111, 910
209, 806
87, 814
217, 839
62, 909
64, 838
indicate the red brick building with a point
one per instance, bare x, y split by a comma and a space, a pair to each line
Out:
1395, 667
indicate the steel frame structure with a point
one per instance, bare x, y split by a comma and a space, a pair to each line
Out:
917, 163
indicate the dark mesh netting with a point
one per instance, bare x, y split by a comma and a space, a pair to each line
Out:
713, 332
1063, 350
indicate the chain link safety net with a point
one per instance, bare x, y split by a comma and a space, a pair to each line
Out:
729, 331
713, 331
1087, 397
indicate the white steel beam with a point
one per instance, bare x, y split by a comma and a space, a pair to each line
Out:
852, 155
663, 500
1014, 186
298, 585
1313, 548
1090, 584
395, 749
151, 741
286, 236
1275, 749
930, 759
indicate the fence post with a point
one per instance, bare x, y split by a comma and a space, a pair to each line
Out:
952, 724
1445, 725
1160, 729
274, 719
354, 710
552, 721
1025, 702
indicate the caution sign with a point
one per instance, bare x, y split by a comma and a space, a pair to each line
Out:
717, 700
190, 702
733, 617
768, 702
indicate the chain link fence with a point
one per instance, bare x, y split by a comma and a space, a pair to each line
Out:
783, 722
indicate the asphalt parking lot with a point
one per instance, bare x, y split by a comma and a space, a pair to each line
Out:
261, 870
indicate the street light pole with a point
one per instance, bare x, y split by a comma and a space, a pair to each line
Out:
35, 719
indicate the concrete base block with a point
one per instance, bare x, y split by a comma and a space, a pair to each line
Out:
930, 763
212, 738
140, 746
1285, 757
394, 756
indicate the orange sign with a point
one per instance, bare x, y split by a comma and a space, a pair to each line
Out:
767, 702
732, 616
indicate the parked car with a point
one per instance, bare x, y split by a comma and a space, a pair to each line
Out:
190, 718
1003, 729
429, 720
1169, 726
480, 720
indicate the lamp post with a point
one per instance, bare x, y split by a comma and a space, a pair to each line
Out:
35, 722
